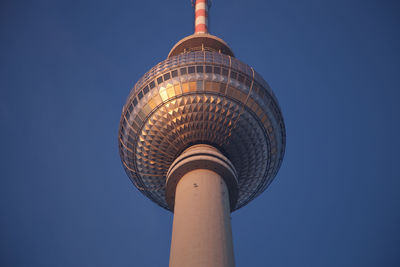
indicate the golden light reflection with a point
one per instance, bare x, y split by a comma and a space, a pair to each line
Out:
163, 93
157, 99
147, 109
192, 86
177, 88
170, 90
152, 104
185, 87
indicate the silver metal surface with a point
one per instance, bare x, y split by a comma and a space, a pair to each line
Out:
201, 97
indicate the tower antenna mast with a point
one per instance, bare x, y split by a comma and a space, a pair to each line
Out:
201, 15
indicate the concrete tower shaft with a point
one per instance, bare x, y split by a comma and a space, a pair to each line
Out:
201, 234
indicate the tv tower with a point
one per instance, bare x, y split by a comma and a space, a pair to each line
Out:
201, 135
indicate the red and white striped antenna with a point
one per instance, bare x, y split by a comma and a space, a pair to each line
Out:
201, 15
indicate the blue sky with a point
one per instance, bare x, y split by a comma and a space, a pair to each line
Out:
68, 66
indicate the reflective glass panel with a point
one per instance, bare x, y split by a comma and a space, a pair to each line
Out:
146, 90
200, 86
185, 87
167, 76
192, 86
177, 88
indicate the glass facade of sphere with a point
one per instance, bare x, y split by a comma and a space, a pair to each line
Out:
201, 97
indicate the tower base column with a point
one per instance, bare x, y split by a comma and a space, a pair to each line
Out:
201, 188
201, 234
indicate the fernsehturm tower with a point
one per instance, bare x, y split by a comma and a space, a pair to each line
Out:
201, 135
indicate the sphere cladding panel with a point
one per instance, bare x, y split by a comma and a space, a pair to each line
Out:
201, 97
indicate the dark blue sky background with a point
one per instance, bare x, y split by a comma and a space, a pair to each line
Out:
68, 66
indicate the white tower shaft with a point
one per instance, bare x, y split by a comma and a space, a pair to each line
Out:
201, 234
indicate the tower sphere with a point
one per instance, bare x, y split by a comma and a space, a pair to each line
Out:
202, 94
